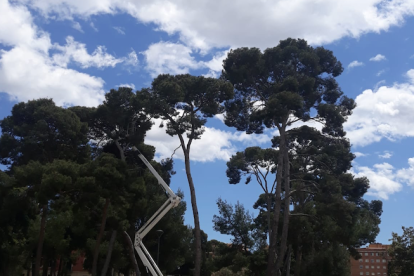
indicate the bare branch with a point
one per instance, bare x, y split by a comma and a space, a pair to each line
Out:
301, 214
305, 191
259, 180
273, 185
175, 150
307, 181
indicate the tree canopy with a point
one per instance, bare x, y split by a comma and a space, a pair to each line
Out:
185, 102
73, 186
274, 89
401, 252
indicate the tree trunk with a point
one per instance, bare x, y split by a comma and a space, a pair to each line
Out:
269, 209
109, 254
298, 258
121, 150
60, 267
53, 268
285, 230
289, 257
5, 270
99, 238
41, 240
271, 263
197, 268
130, 246
45, 267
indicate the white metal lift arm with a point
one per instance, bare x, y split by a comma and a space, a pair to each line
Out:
172, 201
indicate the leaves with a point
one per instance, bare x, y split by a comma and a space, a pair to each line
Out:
236, 222
401, 252
186, 101
254, 161
39, 130
291, 79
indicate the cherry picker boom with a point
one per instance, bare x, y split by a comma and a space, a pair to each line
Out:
172, 201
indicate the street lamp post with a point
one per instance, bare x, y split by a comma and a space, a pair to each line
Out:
159, 233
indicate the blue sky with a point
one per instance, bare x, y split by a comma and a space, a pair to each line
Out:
74, 51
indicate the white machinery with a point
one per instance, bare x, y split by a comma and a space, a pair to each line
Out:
172, 201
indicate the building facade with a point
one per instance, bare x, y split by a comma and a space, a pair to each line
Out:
374, 261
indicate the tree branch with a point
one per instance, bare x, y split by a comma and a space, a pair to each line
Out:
305, 191
259, 180
307, 181
190, 140
301, 214
175, 150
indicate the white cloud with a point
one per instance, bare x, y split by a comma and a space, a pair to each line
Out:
214, 144
130, 85
77, 26
93, 27
172, 58
378, 57
410, 75
310, 123
220, 117
211, 74
385, 155
17, 28
77, 52
28, 72
382, 179
131, 59
176, 58
120, 30
355, 63
380, 73
384, 113
360, 154
378, 85
205, 23
407, 174
216, 63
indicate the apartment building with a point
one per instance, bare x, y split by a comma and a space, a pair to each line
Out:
374, 261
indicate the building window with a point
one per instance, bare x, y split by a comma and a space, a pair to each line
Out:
378, 260
361, 266
360, 260
367, 266
384, 260
384, 267
361, 273
372, 266
372, 261
373, 273
366, 254
367, 273
372, 254
376, 254
366, 260
378, 267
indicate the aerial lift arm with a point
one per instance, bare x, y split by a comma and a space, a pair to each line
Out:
172, 201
